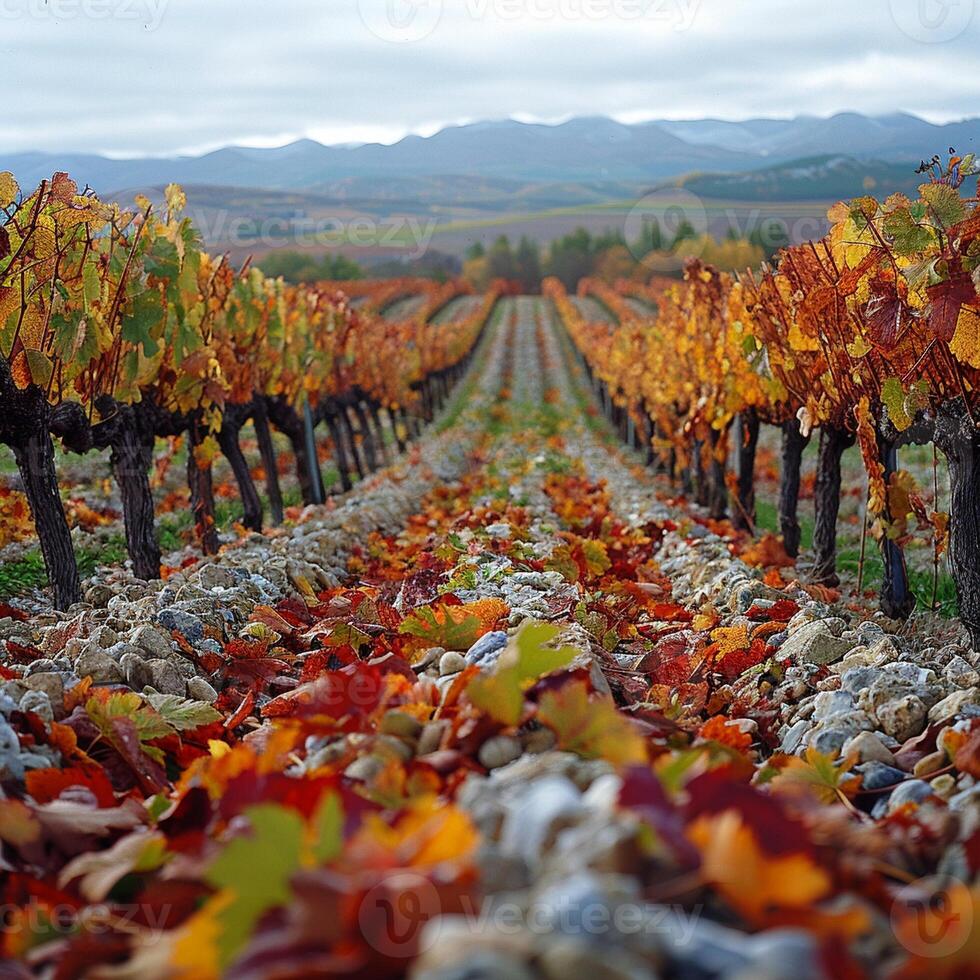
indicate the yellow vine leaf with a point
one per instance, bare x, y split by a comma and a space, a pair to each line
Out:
8, 189
965, 344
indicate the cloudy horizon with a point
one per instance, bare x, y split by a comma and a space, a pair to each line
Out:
180, 77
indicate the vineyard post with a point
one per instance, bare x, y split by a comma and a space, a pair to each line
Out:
700, 474
379, 432
826, 498
288, 421
397, 425
793, 444
355, 446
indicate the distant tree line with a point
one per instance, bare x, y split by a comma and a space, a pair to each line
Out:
609, 256
295, 267
577, 255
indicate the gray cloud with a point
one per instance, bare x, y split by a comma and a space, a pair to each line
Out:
160, 76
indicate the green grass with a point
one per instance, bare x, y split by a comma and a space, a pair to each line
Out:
767, 519
27, 573
920, 580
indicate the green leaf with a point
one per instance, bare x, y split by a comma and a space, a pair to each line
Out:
257, 869
450, 634
906, 235
945, 203
139, 326
525, 659
327, 826
593, 729
893, 398
148, 722
183, 714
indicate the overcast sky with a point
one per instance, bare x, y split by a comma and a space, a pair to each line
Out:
159, 76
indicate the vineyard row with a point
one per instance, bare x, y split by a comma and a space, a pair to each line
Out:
118, 327
870, 335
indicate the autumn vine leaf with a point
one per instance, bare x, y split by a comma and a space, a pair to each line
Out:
527, 657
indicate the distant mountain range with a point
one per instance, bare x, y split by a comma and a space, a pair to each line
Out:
591, 150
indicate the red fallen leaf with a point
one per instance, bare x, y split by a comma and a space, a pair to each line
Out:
7, 674
294, 612
12, 612
303, 795
126, 741
351, 692
84, 952
268, 616
22, 654
669, 662
737, 662
241, 712
782, 612
45, 785
256, 673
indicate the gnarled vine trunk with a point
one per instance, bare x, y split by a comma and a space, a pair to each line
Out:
897, 600
793, 444
826, 499
339, 439
717, 490
25, 419
263, 435
127, 430
959, 440
202, 489
232, 420
288, 421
